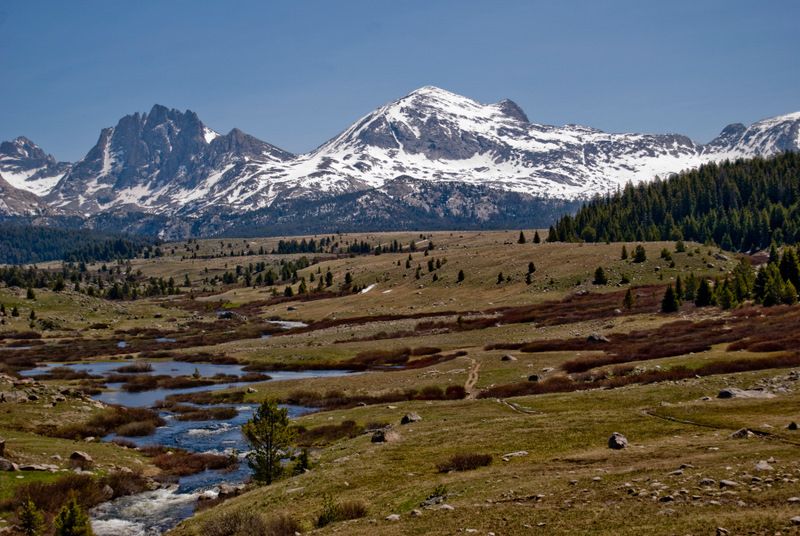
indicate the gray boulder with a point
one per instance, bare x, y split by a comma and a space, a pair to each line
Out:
743, 433
617, 441
384, 436
80, 460
596, 337
735, 392
408, 418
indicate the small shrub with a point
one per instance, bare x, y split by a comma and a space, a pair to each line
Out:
237, 523
333, 511
135, 368
465, 462
283, 525
137, 429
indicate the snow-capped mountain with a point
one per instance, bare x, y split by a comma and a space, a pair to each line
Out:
162, 161
24, 165
468, 156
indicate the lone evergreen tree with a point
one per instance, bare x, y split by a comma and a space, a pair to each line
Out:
704, 297
670, 303
624, 254
499, 278
536, 239
72, 520
30, 518
629, 300
639, 254
531, 267
29, 294
521, 239
460, 276
269, 435
600, 276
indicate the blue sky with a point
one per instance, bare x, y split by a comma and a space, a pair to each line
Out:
296, 73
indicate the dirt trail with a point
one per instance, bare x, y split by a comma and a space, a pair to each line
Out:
472, 379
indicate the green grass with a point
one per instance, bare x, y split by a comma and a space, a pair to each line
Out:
563, 434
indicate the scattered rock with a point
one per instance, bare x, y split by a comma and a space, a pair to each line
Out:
795, 520
763, 465
226, 490
596, 337
80, 460
708, 482
666, 498
508, 357
38, 467
446, 507
507, 457
793, 500
7, 465
416, 513
408, 418
735, 392
792, 426
744, 433
108, 492
393, 517
384, 436
728, 484
617, 441
252, 390
722, 532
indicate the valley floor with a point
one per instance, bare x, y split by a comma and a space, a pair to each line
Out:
537, 371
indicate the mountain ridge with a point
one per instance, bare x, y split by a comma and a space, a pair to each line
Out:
168, 163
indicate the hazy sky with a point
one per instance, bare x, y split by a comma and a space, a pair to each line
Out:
296, 73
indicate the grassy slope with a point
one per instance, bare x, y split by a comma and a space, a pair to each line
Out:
564, 434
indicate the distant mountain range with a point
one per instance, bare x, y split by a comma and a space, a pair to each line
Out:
432, 159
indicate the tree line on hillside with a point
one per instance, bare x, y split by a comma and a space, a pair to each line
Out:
21, 244
775, 283
744, 205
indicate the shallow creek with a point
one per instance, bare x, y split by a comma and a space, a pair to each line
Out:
154, 512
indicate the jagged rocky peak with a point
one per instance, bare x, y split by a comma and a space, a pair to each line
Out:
25, 153
28, 167
512, 110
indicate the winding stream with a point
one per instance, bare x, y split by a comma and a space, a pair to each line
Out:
154, 512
